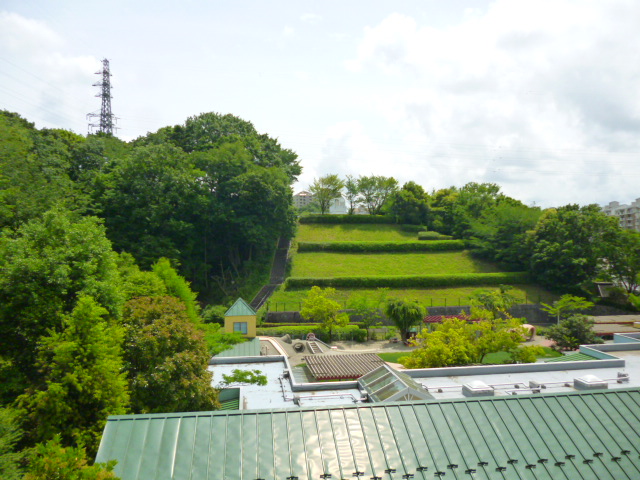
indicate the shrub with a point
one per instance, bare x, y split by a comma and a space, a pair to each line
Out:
433, 236
412, 228
349, 332
337, 219
410, 281
381, 247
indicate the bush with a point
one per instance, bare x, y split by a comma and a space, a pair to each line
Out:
337, 219
350, 332
380, 247
410, 281
433, 236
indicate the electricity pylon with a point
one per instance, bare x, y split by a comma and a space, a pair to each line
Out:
107, 119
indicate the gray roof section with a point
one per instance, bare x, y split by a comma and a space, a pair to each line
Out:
244, 349
559, 436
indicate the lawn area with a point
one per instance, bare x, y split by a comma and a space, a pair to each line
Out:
353, 233
505, 357
436, 297
393, 356
323, 264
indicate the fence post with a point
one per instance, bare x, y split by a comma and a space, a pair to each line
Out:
445, 301
432, 301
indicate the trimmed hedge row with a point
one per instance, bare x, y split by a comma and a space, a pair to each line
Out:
405, 227
378, 247
328, 218
433, 236
410, 281
350, 332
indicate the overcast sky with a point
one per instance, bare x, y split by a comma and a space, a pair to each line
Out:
541, 97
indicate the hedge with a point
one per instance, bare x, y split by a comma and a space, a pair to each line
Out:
329, 218
350, 332
405, 227
378, 247
410, 281
433, 236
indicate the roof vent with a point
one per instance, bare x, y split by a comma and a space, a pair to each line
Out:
477, 389
589, 382
623, 377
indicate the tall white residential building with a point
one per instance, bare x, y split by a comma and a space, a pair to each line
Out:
302, 199
629, 215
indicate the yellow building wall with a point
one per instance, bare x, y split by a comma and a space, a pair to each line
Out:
251, 324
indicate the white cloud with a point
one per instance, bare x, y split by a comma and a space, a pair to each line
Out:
25, 36
312, 18
537, 96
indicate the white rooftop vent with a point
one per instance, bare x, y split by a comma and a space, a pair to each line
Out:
477, 388
589, 382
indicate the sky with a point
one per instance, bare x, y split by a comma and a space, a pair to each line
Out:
541, 97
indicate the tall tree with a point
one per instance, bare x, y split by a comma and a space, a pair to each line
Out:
83, 381
404, 314
44, 268
375, 191
166, 358
568, 245
352, 193
623, 260
325, 189
320, 307
410, 205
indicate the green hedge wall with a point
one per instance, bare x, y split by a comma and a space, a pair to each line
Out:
350, 332
433, 236
378, 247
412, 228
316, 218
411, 281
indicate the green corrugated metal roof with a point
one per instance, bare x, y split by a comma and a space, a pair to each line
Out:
250, 348
240, 309
572, 357
552, 436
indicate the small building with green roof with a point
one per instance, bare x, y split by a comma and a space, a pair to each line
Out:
241, 318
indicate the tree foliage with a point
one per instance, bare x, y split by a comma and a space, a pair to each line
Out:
82, 379
375, 190
325, 189
10, 435
44, 268
623, 260
243, 377
566, 305
404, 314
573, 331
568, 245
321, 308
410, 205
53, 461
165, 358
368, 308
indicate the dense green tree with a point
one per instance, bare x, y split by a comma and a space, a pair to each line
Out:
404, 314
457, 342
166, 358
568, 245
499, 234
243, 377
320, 307
44, 268
410, 205
53, 461
325, 189
83, 381
375, 191
623, 260
573, 331
178, 287
10, 435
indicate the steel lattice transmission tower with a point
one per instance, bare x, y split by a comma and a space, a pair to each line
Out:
107, 119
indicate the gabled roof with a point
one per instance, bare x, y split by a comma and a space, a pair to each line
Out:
343, 366
594, 434
240, 309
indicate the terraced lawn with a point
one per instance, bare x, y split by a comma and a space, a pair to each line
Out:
353, 233
323, 264
436, 297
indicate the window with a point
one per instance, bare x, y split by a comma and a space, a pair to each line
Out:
240, 327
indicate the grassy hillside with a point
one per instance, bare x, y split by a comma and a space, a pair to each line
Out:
353, 233
323, 264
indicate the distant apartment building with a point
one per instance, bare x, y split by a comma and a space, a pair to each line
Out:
629, 215
302, 199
